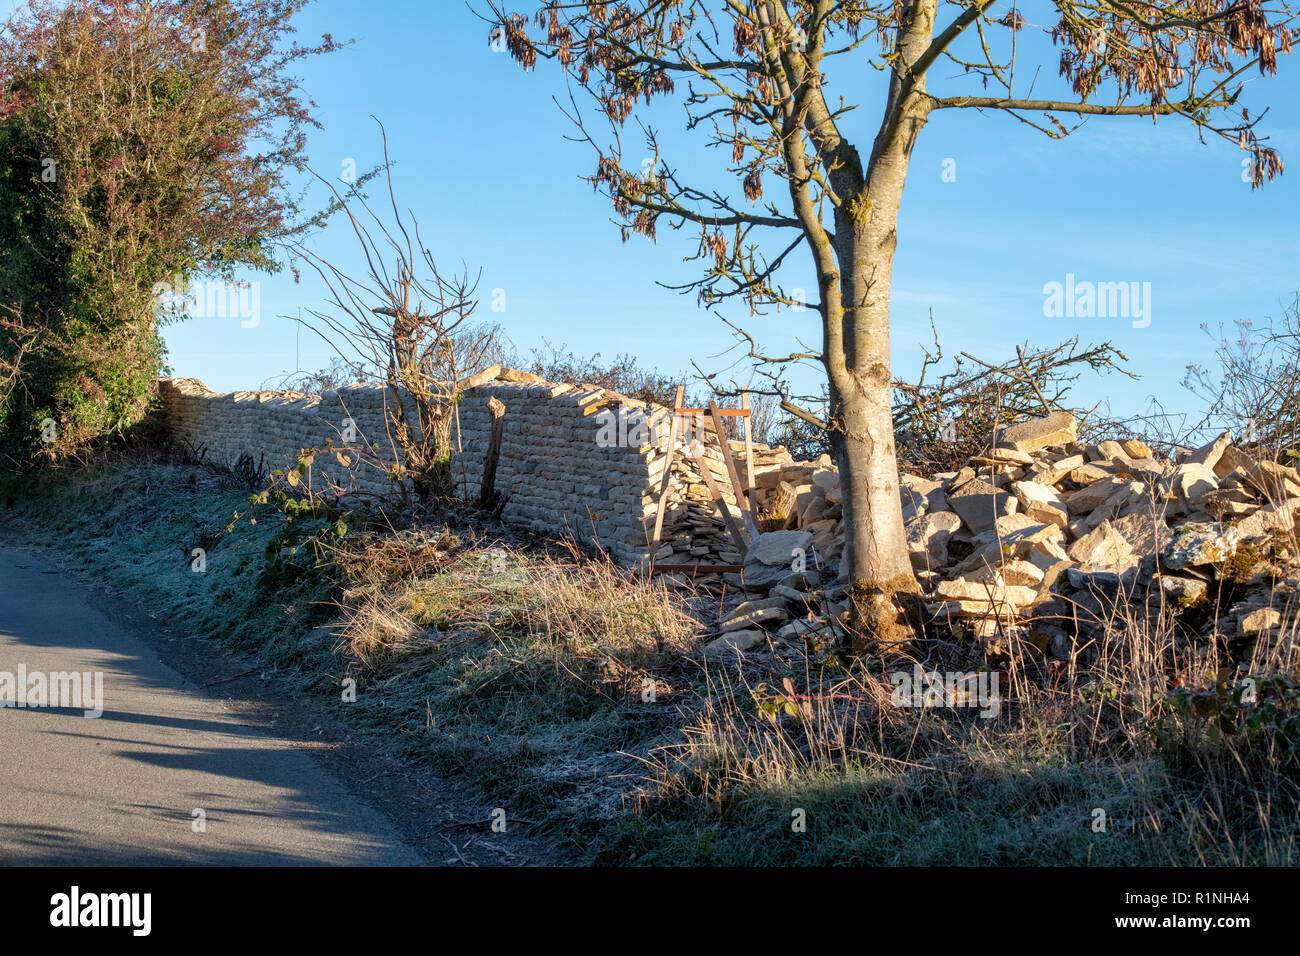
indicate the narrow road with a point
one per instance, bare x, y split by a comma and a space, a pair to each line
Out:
123, 788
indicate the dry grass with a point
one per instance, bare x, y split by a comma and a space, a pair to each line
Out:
525, 672
575, 605
1181, 787
534, 650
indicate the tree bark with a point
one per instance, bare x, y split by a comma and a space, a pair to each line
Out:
884, 594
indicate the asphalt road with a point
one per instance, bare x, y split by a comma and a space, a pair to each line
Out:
121, 789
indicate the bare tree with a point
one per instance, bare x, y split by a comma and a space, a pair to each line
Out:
1253, 389
946, 415
405, 324
753, 75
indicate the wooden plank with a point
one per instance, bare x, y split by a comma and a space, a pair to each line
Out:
749, 450
487, 496
736, 533
668, 473
730, 462
724, 412
696, 568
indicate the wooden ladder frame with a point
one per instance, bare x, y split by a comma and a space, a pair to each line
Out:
744, 498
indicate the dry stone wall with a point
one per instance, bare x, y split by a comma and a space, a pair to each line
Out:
574, 459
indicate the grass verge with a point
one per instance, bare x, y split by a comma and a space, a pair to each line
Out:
574, 695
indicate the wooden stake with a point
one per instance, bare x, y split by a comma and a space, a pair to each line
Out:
734, 528
749, 450
487, 496
696, 568
730, 462
668, 471
724, 412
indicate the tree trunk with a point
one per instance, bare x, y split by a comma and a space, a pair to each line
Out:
884, 595
427, 457
883, 584
437, 471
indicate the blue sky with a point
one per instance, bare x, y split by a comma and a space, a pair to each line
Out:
483, 161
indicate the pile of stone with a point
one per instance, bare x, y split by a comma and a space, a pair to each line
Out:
788, 495
778, 590
805, 496
992, 541
694, 531
1044, 533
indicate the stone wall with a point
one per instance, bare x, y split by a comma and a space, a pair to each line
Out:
557, 477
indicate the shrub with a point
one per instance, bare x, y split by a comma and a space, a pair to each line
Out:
141, 145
